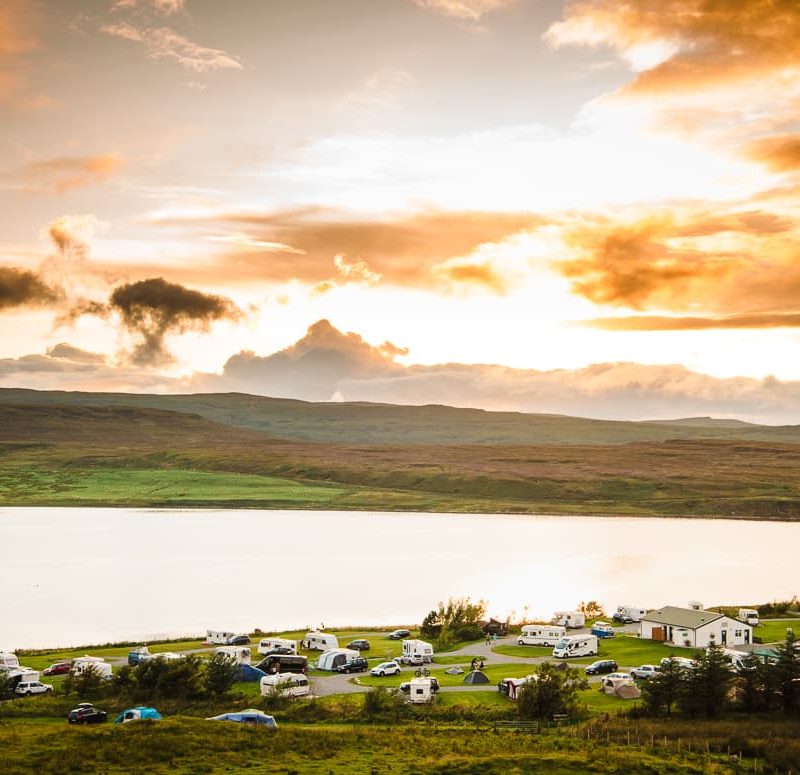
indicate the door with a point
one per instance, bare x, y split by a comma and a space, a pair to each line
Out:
724, 637
658, 633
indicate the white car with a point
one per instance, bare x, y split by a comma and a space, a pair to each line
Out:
385, 668
27, 688
618, 676
644, 671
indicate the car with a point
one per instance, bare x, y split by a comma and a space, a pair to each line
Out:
354, 665
601, 666
398, 634
58, 668
279, 650
86, 713
385, 668
405, 687
238, 640
359, 644
644, 671
618, 676
28, 688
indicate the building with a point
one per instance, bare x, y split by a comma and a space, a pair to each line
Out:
694, 628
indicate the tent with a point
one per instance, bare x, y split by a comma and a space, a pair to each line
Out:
132, 714
476, 677
249, 674
455, 670
249, 716
629, 692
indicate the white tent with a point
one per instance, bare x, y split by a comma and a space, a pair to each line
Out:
333, 658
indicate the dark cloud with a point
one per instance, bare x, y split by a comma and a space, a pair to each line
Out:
68, 352
151, 309
21, 288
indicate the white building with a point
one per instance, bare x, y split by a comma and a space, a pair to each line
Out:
693, 628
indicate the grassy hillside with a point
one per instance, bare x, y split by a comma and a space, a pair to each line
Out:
98, 455
361, 423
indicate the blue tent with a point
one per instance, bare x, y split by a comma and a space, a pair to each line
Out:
249, 673
256, 717
140, 712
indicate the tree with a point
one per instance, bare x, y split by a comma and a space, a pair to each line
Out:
458, 619
219, 675
661, 691
88, 682
592, 610
787, 673
706, 685
549, 692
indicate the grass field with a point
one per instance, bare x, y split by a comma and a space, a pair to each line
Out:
774, 630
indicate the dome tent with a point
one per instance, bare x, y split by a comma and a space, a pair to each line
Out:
249, 716
476, 677
133, 714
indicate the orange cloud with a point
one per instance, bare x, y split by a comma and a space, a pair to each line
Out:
65, 174
17, 39
657, 323
780, 153
480, 273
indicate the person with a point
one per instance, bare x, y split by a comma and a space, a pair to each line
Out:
480, 666
488, 639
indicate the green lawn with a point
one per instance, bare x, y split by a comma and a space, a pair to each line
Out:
524, 651
774, 630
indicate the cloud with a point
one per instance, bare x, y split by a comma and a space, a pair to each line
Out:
23, 288
68, 352
18, 38
65, 174
780, 153
163, 43
162, 7
659, 323
71, 235
469, 10
151, 309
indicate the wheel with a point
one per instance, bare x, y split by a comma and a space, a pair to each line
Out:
382, 674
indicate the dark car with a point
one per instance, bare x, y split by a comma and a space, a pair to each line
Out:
355, 665
279, 650
398, 634
405, 687
359, 644
58, 668
86, 713
602, 666
238, 640
283, 663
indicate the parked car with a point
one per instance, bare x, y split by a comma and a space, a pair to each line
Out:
405, 687
385, 668
601, 666
618, 676
28, 688
644, 671
86, 713
359, 644
398, 634
354, 665
238, 640
279, 650
58, 668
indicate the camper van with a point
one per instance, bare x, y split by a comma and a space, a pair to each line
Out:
421, 690
572, 620
81, 664
602, 630
541, 635
748, 616
8, 661
283, 663
266, 645
319, 641
625, 614
219, 637
287, 684
416, 652
330, 660
576, 646
239, 654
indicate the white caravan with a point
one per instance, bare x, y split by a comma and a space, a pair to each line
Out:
319, 641
541, 635
421, 691
416, 651
576, 646
266, 645
23, 674
628, 613
8, 661
239, 654
748, 616
98, 664
288, 684
330, 660
570, 619
220, 637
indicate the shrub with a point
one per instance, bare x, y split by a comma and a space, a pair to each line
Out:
219, 675
551, 692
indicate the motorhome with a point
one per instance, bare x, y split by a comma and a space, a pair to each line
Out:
416, 652
8, 661
421, 691
748, 616
576, 646
239, 654
283, 663
98, 664
330, 660
628, 613
572, 620
218, 637
541, 635
287, 684
602, 630
265, 645
319, 641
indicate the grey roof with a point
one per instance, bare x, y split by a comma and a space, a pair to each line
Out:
682, 617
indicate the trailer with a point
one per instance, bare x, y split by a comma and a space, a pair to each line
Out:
98, 664
330, 660
576, 646
218, 637
416, 652
626, 614
319, 641
239, 654
8, 661
572, 620
421, 691
285, 684
541, 635
266, 645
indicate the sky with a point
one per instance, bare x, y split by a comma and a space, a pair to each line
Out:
585, 207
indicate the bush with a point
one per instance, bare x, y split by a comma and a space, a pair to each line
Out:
88, 683
551, 692
459, 619
219, 675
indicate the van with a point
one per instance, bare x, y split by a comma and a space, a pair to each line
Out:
265, 645
541, 635
576, 646
602, 630
748, 616
319, 641
283, 663
286, 684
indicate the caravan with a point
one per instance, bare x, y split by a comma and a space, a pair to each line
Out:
270, 645
416, 652
422, 690
330, 660
748, 616
98, 664
8, 661
576, 646
239, 654
286, 684
220, 637
572, 620
319, 641
540, 635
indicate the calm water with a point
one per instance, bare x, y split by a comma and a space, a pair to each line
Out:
75, 576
